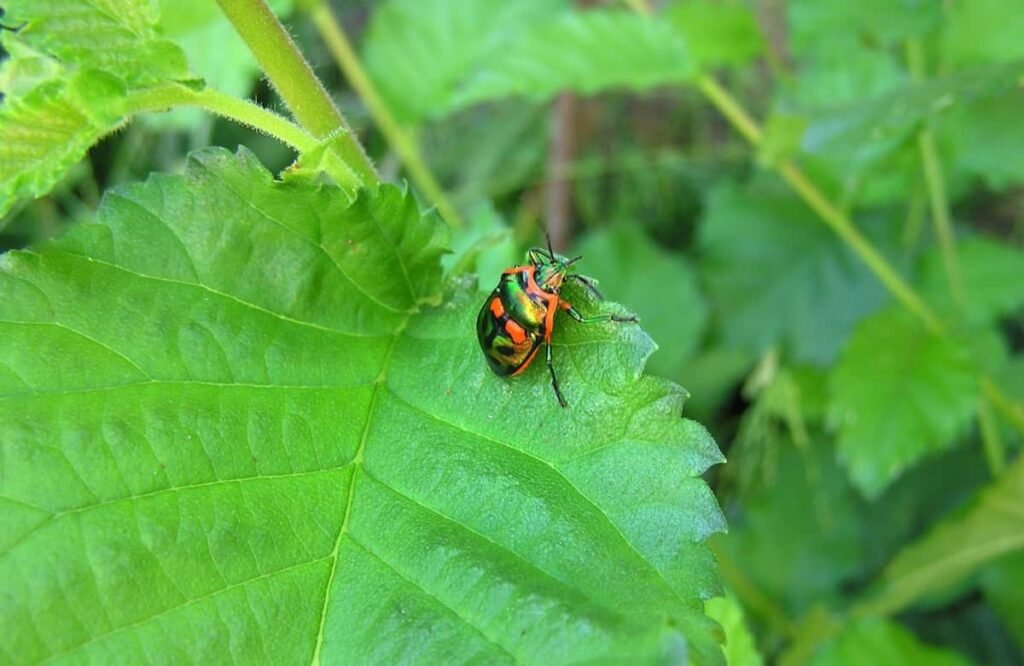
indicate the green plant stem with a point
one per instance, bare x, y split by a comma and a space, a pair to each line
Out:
168, 96
1012, 411
991, 439
936, 185
829, 213
842, 225
292, 77
333, 34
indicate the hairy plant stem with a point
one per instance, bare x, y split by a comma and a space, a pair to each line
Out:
403, 143
171, 95
292, 77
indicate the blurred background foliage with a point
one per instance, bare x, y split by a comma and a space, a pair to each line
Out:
874, 488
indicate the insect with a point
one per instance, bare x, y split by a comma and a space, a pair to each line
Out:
519, 315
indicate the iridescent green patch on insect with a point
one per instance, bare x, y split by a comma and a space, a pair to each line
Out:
518, 317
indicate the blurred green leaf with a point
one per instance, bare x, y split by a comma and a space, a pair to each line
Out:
984, 31
740, 648
419, 52
780, 278
879, 641
991, 273
815, 22
585, 52
898, 394
661, 288
717, 33
867, 127
986, 141
992, 527
484, 247
797, 535
782, 136
1001, 583
228, 413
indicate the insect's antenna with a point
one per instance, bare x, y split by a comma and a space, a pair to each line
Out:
573, 260
548, 236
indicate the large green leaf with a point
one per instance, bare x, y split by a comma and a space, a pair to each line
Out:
232, 425
660, 286
419, 51
780, 277
585, 52
879, 641
114, 36
991, 528
898, 394
990, 273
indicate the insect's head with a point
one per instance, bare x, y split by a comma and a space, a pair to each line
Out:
551, 267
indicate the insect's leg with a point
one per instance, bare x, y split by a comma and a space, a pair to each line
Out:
575, 314
591, 285
554, 379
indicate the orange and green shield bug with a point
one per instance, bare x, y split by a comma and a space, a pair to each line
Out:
519, 315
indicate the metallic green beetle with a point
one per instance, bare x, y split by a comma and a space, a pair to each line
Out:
519, 315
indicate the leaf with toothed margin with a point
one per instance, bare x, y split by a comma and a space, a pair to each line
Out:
238, 417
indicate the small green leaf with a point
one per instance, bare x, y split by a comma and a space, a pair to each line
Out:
991, 274
419, 51
987, 140
661, 287
868, 126
899, 394
779, 277
984, 32
813, 23
585, 52
991, 528
46, 131
114, 36
879, 641
740, 648
717, 33
231, 424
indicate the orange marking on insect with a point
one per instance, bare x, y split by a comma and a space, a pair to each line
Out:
564, 304
515, 331
497, 309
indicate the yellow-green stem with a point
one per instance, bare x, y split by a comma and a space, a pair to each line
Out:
333, 34
1012, 411
292, 77
936, 184
991, 438
842, 225
168, 96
